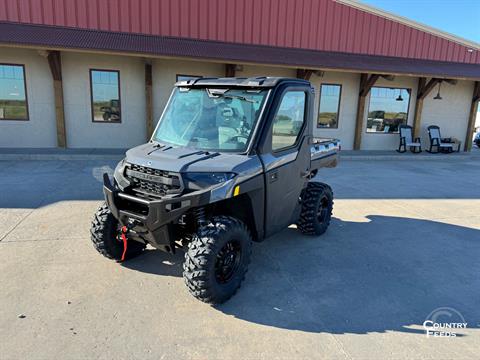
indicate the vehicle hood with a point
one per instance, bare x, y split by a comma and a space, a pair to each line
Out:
184, 159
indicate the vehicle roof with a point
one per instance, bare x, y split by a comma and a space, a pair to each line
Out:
257, 82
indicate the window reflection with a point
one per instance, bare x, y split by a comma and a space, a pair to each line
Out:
289, 120
329, 106
13, 98
388, 109
105, 85
187, 77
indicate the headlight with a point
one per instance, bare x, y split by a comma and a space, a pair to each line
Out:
120, 166
199, 180
122, 182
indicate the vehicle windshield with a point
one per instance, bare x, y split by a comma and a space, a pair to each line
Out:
211, 119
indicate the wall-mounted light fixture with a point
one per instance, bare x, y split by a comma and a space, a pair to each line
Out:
438, 97
399, 98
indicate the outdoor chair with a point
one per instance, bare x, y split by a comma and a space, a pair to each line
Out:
406, 140
444, 145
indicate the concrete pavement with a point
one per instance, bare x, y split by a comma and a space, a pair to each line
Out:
405, 240
28, 154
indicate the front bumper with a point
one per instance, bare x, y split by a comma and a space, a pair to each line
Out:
152, 220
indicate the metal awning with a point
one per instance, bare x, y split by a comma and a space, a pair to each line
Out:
54, 37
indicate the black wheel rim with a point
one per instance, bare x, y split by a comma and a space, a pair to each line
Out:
228, 261
322, 211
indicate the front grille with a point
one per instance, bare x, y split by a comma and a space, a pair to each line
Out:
150, 171
153, 182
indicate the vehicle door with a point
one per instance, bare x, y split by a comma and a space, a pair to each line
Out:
286, 156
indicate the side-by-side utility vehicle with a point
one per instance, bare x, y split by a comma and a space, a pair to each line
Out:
231, 161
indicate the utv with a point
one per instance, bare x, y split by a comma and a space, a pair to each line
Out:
111, 112
219, 172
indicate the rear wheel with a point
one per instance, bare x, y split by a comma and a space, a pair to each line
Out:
317, 206
105, 235
217, 259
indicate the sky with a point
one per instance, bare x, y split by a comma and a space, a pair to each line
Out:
458, 17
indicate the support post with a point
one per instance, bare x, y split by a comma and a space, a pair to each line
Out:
359, 122
417, 118
55, 64
388, 77
423, 90
472, 116
148, 100
304, 74
230, 70
366, 83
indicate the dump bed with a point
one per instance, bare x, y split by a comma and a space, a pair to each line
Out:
324, 152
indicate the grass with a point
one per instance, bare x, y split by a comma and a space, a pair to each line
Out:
327, 119
13, 110
98, 113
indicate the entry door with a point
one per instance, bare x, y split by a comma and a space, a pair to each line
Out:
289, 161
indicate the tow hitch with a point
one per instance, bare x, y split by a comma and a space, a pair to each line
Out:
124, 238
123, 234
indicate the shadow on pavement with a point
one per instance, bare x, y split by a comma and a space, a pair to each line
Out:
157, 262
385, 274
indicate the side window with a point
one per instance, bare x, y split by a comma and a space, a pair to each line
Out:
105, 92
289, 120
329, 106
388, 109
13, 95
186, 77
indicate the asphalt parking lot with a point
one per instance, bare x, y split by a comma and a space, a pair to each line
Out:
405, 241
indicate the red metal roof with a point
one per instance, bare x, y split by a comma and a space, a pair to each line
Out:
71, 38
323, 25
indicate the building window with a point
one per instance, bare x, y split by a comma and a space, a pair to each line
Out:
388, 109
105, 92
187, 77
13, 93
329, 106
289, 120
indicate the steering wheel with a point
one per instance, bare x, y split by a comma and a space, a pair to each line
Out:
236, 137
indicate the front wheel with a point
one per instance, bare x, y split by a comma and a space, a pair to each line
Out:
317, 206
217, 259
105, 235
